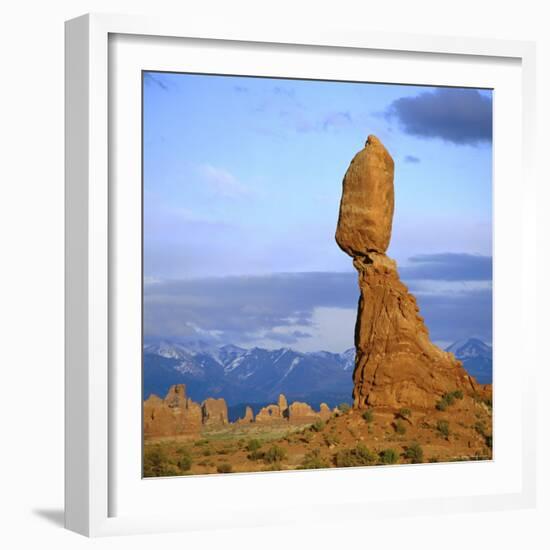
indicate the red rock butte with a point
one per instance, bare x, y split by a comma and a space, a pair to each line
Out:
396, 364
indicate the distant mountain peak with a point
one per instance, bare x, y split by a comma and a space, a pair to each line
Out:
470, 347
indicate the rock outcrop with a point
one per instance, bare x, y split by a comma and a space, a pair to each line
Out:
176, 414
214, 412
283, 404
396, 364
299, 413
324, 411
270, 413
248, 416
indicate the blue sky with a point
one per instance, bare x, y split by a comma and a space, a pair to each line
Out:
242, 182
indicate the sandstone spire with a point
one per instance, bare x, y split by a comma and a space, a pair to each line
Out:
396, 364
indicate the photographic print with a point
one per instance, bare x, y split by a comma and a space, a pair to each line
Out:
317, 274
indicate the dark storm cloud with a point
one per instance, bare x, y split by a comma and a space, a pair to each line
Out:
460, 116
241, 306
458, 315
448, 267
237, 309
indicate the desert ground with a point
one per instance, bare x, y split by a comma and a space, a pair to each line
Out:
458, 428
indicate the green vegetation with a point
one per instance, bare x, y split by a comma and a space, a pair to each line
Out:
318, 426
414, 453
400, 428
368, 416
481, 429
224, 468
357, 456
253, 445
313, 460
274, 454
389, 456
443, 428
449, 399
344, 407
155, 462
184, 460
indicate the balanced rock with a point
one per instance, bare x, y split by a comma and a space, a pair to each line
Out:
214, 412
366, 208
396, 363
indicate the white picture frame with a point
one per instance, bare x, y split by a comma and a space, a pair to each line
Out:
99, 500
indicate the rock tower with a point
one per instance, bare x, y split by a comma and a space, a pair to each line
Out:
396, 364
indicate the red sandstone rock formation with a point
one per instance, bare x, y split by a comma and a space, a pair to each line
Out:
324, 411
299, 413
283, 404
396, 364
248, 417
268, 414
214, 412
174, 415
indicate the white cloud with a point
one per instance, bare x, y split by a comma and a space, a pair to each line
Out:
222, 181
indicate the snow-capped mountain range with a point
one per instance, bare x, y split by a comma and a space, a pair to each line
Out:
477, 358
247, 375
259, 375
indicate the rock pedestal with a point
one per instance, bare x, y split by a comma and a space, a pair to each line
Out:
396, 364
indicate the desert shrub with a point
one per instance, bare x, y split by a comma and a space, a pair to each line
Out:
184, 460
447, 400
480, 428
404, 412
344, 407
224, 468
489, 441
318, 426
207, 452
458, 394
255, 455
414, 453
400, 428
156, 463
357, 456
443, 428
433, 459
274, 454
368, 416
253, 445
389, 456
201, 442
306, 437
313, 460
331, 439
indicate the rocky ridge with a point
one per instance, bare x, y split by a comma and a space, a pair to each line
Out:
177, 414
